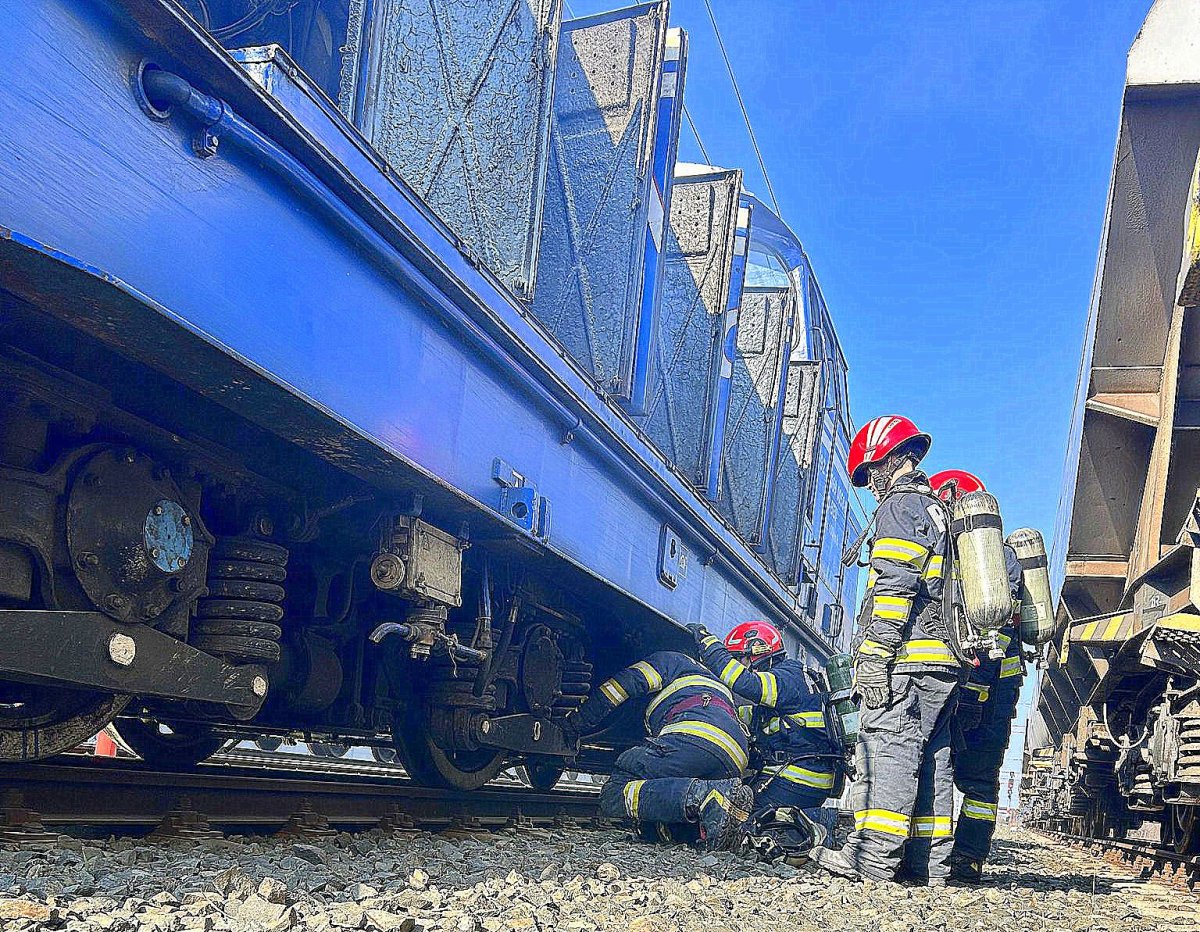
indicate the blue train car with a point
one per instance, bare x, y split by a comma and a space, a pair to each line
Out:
339, 399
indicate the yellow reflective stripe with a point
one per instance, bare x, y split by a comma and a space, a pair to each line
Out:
614, 691
871, 648
633, 793
712, 734
1010, 666
977, 809
710, 641
692, 679
718, 797
770, 688
902, 551
731, 672
653, 677
891, 606
745, 714
931, 827
922, 650
935, 567
982, 692
809, 719
1181, 621
801, 775
882, 820
872, 575
773, 725
1003, 640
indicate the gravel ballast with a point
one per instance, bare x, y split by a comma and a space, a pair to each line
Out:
574, 880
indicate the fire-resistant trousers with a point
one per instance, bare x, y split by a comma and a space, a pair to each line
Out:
904, 785
977, 774
651, 780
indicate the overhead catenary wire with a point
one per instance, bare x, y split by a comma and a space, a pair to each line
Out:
737, 92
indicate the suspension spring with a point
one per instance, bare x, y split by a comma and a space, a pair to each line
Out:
239, 620
576, 684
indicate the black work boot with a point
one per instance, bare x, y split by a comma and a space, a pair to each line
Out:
721, 807
967, 870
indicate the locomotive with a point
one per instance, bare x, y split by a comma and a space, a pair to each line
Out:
1113, 744
372, 371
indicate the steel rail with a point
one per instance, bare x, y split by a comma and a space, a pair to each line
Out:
1159, 856
124, 794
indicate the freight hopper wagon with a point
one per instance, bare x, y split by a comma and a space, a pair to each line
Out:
1113, 745
370, 373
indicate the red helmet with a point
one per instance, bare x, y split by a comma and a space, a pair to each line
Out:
880, 437
951, 484
754, 639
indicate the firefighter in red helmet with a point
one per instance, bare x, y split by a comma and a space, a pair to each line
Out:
984, 716
906, 674
795, 755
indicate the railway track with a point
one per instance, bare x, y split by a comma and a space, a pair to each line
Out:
1179, 870
254, 792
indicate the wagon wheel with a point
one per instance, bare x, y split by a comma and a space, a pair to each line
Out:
384, 755
170, 747
1180, 830
328, 749
431, 765
543, 774
268, 743
41, 721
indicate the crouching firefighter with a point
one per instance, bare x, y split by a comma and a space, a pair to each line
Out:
798, 762
983, 720
685, 779
906, 673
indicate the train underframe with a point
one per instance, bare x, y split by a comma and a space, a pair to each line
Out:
195, 593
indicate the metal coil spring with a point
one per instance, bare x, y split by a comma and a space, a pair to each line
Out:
239, 620
576, 684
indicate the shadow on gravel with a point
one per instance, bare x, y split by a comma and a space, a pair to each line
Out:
1014, 865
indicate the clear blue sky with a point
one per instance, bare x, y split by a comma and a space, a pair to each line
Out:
945, 163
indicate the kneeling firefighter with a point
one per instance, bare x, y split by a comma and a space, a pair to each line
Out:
906, 672
686, 777
985, 713
797, 758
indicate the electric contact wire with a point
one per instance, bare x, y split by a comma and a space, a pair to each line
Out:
742, 104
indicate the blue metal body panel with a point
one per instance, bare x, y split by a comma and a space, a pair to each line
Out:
296, 281
600, 194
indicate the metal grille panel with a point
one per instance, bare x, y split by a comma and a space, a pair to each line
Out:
752, 429
455, 95
599, 189
699, 255
787, 506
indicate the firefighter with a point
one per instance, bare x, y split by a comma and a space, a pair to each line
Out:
905, 672
685, 779
983, 719
796, 759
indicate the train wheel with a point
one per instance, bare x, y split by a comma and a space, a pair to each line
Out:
41, 721
1180, 831
170, 747
328, 749
543, 775
268, 743
431, 765
384, 755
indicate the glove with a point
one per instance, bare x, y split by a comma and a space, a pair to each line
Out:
873, 681
699, 632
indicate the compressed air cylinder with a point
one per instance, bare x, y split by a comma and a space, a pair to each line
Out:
979, 545
1037, 615
841, 681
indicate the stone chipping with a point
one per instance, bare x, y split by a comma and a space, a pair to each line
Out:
576, 880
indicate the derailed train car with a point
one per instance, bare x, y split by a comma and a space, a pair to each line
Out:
1113, 744
370, 372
